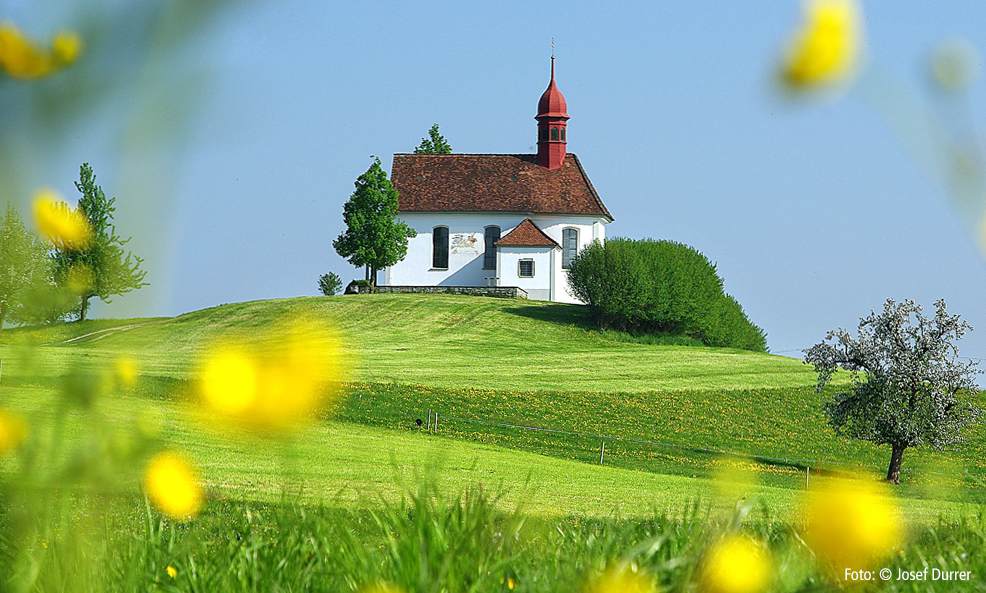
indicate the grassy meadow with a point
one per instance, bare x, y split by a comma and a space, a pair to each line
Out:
688, 431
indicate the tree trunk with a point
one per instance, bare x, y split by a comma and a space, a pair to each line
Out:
85, 305
367, 271
373, 277
896, 458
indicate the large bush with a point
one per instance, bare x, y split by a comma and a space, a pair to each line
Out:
660, 287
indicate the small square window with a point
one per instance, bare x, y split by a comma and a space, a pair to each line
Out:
526, 268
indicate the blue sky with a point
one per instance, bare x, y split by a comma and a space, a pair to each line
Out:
232, 152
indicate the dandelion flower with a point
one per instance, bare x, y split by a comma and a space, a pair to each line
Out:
13, 431
172, 571
735, 564
20, 57
63, 226
827, 48
172, 486
851, 524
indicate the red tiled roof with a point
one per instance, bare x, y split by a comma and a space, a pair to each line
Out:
493, 183
526, 234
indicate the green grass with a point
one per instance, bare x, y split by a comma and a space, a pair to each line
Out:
497, 361
451, 341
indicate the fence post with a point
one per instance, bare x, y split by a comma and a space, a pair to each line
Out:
428, 428
602, 453
807, 473
435, 428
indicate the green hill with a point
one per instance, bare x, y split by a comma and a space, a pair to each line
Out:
490, 367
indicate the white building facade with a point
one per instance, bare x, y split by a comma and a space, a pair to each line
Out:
474, 261
499, 219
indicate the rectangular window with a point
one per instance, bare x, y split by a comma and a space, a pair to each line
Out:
439, 247
489, 256
569, 247
525, 268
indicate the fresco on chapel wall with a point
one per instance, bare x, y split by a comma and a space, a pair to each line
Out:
464, 243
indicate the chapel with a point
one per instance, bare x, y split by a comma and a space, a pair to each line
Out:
507, 220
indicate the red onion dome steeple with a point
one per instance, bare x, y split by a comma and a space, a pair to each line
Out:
552, 119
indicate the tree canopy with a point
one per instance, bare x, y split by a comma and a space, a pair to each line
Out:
373, 238
435, 143
24, 264
101, 268
908, 386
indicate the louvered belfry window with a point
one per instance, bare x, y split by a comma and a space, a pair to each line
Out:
439, 247
489, 256
569, 247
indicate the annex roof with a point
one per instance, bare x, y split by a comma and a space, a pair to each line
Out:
493, 183
526, 234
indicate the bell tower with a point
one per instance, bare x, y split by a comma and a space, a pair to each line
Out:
552, 119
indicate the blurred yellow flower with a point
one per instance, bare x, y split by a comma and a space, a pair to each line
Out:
126, 371
623, 581
66, 47
63, 226
273, 383
850, 524
172, 486
827, 48
172, 571
735, 564
20, 57
381, 588
79, 278
13, 431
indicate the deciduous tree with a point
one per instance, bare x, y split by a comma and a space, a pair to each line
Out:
908, 386
102, 268
374, 238
24, 263
435, 143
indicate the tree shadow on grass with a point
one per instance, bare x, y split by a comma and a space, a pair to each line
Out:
561, 314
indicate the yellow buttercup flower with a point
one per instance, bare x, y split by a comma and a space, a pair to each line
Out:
735, 564
13, 431
274, 383
20, 57
172, 485
63, 226
850, 524
623, 581
172, 571
827, 48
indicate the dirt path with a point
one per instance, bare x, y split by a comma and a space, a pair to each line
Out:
100, 334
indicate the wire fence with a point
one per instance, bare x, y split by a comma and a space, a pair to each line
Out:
796, 462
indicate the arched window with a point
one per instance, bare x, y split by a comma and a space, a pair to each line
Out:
439, 247
554, 133
563, 134
569, 247
544, 133
489, 256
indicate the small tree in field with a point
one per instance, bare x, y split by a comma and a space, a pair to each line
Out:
373, 237
329, 284
101, 269
435, 143
908, 386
